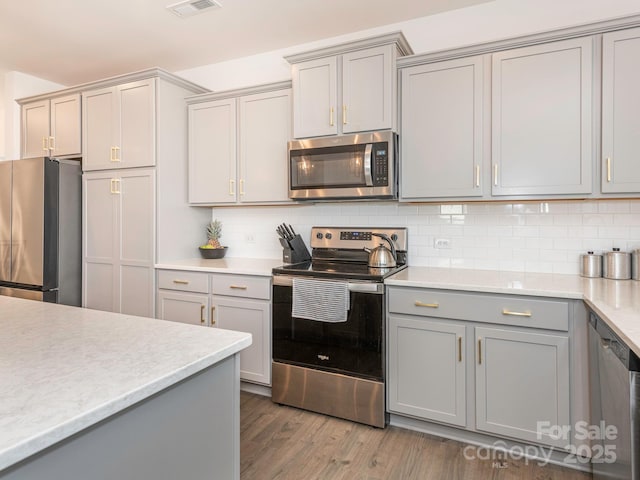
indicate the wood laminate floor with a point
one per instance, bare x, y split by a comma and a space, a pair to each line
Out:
279, 442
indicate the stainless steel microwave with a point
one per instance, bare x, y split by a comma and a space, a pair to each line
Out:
356, 166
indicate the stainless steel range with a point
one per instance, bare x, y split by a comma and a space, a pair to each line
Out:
329, 325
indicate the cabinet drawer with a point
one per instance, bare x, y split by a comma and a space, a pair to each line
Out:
184, 281
241, 286
501, 309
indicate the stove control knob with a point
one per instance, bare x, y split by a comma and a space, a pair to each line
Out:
328, 236
394, 237
319, 236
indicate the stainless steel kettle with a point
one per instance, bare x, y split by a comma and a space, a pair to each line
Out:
381, 256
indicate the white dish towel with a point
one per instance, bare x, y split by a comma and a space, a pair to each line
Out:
320, 300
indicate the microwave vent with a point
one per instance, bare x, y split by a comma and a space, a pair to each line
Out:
193, 7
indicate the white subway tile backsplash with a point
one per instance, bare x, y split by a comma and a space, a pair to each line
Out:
526, 236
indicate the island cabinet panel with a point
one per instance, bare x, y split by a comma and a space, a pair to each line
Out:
522, 378
118, 247
427, 369
183, 307
542, 119
51, 127
442, 129
620, 107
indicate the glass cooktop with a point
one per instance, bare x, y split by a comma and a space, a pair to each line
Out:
338, 270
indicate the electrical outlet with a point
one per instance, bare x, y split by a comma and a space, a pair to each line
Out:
442, 243
249, 238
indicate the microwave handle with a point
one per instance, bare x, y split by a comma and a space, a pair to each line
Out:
367, 165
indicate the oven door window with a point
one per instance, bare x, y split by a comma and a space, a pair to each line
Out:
342, 166
354, 347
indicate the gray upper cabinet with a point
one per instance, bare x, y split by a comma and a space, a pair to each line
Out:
238, 146
51, 127
620, 112
542, 119
442, 129
119, 126
347, 88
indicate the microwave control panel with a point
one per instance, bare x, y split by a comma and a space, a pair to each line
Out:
380, 167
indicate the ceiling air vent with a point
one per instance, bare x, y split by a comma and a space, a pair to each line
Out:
193, 7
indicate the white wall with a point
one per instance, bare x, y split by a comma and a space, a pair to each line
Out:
18, 85
528, 236
485, 22
2, 115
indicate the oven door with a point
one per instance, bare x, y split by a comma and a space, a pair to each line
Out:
354, 347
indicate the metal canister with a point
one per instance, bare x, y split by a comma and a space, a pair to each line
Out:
617, 265
591, 265
635, 264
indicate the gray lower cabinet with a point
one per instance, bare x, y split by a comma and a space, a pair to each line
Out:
442, 129
522, 378
427, 369
542, 119
620, 107
516, 348
229, 301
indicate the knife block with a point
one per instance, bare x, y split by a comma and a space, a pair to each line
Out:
296, 252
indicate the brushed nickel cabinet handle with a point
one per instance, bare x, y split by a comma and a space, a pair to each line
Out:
429, 305
459, 349
331, 117
608, 169
479, 351
213, 322
52, 143
477, 175
202, 314
238, 287
115, 186
45, 146
242, 186
116, 157
181, 282
495, 174
232, 190
516, 314
344, 114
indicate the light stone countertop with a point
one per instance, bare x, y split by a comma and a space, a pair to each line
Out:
63, 369
616, 301
231, 265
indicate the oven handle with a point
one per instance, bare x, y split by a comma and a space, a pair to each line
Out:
358, 287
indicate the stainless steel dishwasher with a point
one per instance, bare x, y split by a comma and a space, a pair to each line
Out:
615, 401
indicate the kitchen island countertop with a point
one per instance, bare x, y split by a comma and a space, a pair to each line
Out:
231, 265
65, 369
616, 301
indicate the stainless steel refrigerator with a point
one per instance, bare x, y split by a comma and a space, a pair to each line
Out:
41, 229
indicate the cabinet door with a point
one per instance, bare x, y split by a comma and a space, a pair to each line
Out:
368, 79
35, 129
522, 379
620, 107
427, 369
250, 316
183, 307
541, 119
99, 241
212, 152
441, 141
314, 101
65, 126
265, 129
136, 253
136, 110
99, 129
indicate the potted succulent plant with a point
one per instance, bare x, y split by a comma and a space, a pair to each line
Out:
213, 249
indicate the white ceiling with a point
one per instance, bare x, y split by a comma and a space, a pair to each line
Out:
76, 41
